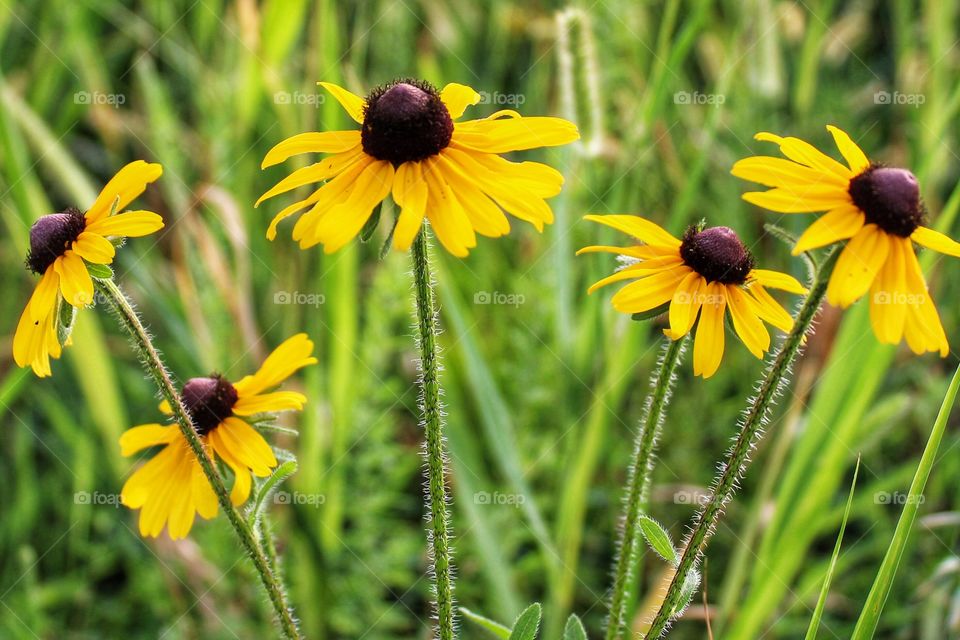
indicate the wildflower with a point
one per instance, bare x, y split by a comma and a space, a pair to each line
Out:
879, 211
410, 145
171, 487
705, 274
63, 246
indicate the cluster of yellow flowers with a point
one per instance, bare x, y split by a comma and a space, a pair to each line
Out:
412, 145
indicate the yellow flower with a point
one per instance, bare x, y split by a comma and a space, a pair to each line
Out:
171, 488
878, 209
62, 245
706, 273
410, 145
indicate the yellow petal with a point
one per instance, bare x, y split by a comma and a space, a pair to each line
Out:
293, 354
806, 154
937, 241
242, 480
94, 248
769, 309
457, 97
708, 343
44, 298
685, 304
650, 292
342, 223
410, 185
317, 172
640, 228
839, 224
445, 213
127, 184
35, 341
799, 200
513, 134
923, 328
203, 496
777, 280
247, 446
146, 435
889, 298
76, 287
333, 193
352, 103
779, 172
132, 224
853, 154
746, 322
269, 403
857, 266
312, 142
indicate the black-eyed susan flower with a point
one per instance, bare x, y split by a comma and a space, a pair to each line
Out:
171, 488
62, 245
705, 274
879, 212
410, 144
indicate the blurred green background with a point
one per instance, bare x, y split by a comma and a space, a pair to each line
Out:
544, 385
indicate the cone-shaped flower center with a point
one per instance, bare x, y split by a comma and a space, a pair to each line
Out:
889, 198
51, 236
208, 401
716, 254
405, 122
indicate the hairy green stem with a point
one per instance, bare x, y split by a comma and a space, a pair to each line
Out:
738, 457
638, 482
439, 532
150, 358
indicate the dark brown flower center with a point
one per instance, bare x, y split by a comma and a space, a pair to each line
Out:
209, 401
889, 198
51, 236
716, 254
405, 121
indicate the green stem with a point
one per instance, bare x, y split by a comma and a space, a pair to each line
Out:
638, 482
150, 358
439, 536
751, 431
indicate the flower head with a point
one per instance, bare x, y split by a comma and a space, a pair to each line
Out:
411, 145
170, 489
879, 212
62, 248
705, 274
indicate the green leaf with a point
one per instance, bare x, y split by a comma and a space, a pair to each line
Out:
525, 628
370, 226
821, 601
493, 627
66, 314
658, 539
269, 485
385, 249
689, 589
115, 206
574, 629
652, 313
99, 271
870, 615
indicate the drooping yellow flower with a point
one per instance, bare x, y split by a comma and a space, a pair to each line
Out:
879, 211
706, 274
410, 145
170, 489
62, 245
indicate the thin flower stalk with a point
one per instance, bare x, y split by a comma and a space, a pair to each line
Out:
638, 482
738, 457
157, 371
